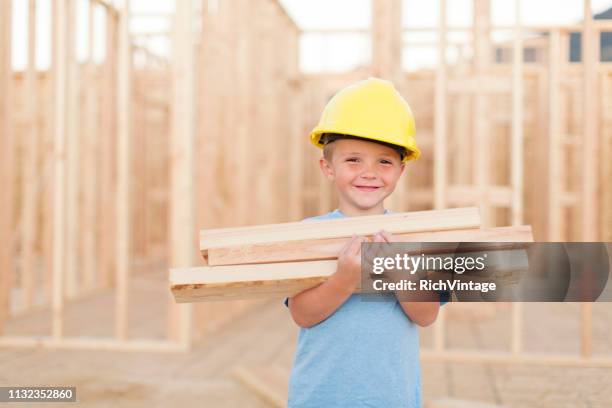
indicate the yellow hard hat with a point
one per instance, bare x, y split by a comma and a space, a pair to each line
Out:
370, 109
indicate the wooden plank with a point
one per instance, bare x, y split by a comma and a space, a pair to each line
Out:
6, 161
387, 39
90, 138
504, 357
30, 165
482, 147
606, 134
60, 78
590, 121
308, 250
278, 279
538, 171
517, 120
243, 105
253, 281
418, 221
440, 155
47, 113
554, 135
182, 145
124, 71
89, 343
462, 164
107, 142
73, 171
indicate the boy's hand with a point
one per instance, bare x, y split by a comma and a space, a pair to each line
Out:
384, 236
348, 272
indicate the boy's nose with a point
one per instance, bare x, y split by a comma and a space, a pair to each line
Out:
368, 174
369, 170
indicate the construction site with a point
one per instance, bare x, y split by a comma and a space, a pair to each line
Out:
127, 127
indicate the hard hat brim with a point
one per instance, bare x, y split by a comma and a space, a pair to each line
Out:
412, 152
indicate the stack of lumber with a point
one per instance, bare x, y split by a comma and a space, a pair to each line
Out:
279, 260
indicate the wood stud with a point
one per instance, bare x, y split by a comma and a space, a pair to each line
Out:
7, 163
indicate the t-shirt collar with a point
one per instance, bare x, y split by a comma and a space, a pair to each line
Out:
338, 213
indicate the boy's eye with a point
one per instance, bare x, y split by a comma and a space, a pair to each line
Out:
386, 162
352, 159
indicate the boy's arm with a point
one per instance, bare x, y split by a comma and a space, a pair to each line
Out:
314, 305
424, 312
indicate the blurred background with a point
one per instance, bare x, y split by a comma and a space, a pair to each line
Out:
128, 126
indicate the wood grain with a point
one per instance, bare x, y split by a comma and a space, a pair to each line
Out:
308, 250
418, 221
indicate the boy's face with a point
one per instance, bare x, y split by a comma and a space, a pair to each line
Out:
364, 174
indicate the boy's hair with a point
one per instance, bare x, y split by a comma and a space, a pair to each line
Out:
328, 138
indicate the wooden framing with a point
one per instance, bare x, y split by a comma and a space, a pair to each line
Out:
182, 198
517, 120
590, 145
6, 162
90, 343
29, 166
90, 137
387, 39
308, 250
440, 155
554, 136
93, 106
482, 15
418, 221
108, 117
517, 161
73, 153
244, 45
124, 61
67, 91
502, 357
60, 75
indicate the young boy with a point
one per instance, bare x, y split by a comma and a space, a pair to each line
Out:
354, 353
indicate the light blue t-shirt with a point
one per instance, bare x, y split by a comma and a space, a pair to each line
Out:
366, 354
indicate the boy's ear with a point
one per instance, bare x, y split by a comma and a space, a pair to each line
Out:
326, 169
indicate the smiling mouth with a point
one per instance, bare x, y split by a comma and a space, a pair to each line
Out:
367, 189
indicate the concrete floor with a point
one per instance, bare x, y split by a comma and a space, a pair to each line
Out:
266, 336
